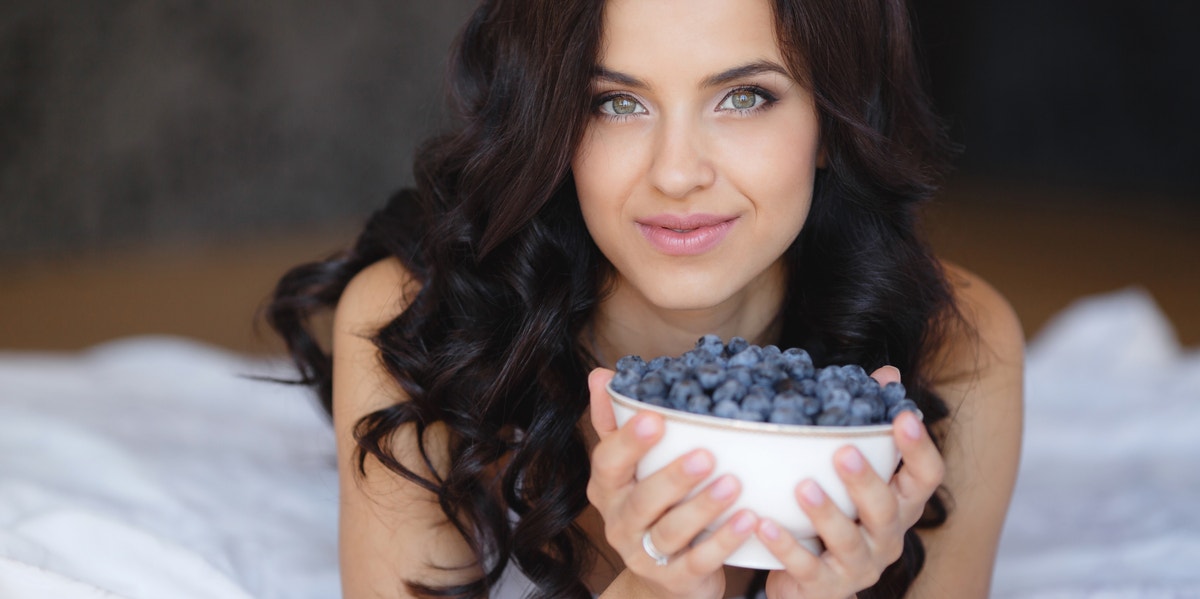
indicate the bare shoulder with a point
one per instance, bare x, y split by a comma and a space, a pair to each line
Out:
979, 374
390, 529
987, 333
376, 295
373, 298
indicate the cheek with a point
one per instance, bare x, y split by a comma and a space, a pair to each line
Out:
605, 168
777, 171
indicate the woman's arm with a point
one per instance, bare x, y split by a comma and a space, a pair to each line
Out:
982, 384
390, 530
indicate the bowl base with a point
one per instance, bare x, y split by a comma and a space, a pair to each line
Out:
754, 555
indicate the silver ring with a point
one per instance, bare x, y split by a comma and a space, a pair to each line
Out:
659, 557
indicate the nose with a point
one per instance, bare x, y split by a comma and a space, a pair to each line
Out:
680, 163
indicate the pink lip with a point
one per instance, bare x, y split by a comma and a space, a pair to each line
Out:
688, 235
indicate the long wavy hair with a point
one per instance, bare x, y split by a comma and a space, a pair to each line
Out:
489, 345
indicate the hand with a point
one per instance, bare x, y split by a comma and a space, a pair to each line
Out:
633, 508
856, 553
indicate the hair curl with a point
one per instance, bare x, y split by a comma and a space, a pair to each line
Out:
509, 276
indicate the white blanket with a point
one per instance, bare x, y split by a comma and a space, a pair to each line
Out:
149, 468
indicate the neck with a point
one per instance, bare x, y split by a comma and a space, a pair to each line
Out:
626, 323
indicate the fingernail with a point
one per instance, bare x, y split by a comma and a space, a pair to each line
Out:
722, 489
812, 493
851, 460
743, 522
769, 530
646, 427
698, 463
911, 428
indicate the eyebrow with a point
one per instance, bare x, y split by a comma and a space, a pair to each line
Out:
722, 78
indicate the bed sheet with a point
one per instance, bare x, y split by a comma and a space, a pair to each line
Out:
155, 467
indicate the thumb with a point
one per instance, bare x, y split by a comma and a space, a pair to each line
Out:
603, 419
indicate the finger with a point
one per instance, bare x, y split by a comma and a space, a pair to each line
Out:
710, 554
878, 507
676, 529
603, 419
614, 460
922, 469
801, 564
841, 535
886, 374
657, 493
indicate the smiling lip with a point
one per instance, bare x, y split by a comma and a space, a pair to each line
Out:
685, 235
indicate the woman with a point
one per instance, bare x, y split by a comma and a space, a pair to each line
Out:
629, 176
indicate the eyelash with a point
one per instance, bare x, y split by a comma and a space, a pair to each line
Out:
768, 98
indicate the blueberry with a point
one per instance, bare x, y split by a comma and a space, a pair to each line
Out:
878, 409
625, 382
745, 381
632, 363
789, 399
651, 385
699, 404
870, 390
904, 405
710, 375
731, 390
838, 398
711, 344
761, 389
750, 415
827, 387
787, 415
854, 371
892, 394
830, 373
767, 374
852, 385
726, 408
757, 402
693, 358
682, 391
810, 406
833, 416
748, 357
741, 374
786, 384
736, 345
800, 371
795, 355
862, 412
655, 400
658, 363
673, 372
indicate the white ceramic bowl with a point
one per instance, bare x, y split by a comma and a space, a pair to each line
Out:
769, 460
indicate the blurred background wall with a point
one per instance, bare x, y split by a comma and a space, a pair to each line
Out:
162, 162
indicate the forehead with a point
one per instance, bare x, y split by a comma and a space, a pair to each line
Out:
641, 34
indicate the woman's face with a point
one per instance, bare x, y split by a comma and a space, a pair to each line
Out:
696, 171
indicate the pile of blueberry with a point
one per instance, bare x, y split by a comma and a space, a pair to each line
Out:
760, 384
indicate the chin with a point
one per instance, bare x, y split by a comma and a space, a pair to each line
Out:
669, 296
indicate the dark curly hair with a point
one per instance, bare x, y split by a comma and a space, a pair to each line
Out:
489, 345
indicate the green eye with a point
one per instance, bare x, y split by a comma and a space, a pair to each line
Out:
624, 105
746, 100
742, 99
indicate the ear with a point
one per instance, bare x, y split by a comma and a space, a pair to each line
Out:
822, 161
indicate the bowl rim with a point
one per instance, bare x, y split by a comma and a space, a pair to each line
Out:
871, 430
